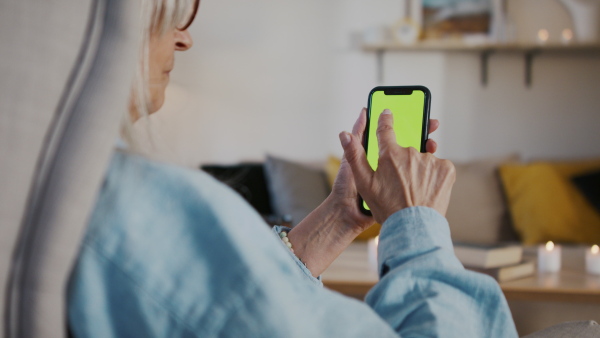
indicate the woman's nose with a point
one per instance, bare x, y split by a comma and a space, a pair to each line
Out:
183, 40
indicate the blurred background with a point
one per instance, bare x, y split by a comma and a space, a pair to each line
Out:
285, 77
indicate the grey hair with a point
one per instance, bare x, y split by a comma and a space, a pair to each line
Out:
157, 17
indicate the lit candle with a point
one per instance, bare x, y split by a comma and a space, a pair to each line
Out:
549, 257
543, 36
372, 247
567, 36
592, 260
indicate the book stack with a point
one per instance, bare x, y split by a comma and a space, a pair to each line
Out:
503, 262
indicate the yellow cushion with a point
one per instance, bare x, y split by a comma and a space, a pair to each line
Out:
332, 166
371, 232
545, 205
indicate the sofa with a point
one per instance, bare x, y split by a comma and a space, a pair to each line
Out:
494, 200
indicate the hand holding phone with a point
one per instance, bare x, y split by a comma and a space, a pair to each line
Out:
410, 107
404, 177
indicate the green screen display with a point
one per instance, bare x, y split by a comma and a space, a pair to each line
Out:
407, 111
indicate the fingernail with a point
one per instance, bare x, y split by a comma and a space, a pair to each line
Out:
345, 138
386, 112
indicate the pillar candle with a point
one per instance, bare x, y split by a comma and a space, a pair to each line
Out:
592, 260
372, 247
549, 257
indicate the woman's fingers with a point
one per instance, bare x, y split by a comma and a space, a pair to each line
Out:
431, 146
355, 155
434, 124
386, 137
360, 124
406, 178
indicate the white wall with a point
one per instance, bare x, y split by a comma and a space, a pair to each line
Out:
284, 77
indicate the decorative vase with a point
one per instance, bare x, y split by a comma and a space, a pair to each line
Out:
585, 15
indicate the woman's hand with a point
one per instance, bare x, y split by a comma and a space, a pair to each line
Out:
332, 226
404, 177
344, 194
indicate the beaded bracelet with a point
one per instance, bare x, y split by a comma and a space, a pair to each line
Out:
284, 237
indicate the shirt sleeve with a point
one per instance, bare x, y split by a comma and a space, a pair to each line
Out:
316, 281
424, 290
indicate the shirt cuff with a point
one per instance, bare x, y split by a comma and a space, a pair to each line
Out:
317, 281
412, 232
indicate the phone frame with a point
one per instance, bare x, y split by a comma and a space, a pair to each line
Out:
425, 125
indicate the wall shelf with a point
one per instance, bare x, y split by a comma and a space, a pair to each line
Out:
529, 52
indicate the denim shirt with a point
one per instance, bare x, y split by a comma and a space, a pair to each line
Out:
171, 252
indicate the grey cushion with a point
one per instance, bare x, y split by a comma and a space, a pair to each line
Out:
579, 329
296, 189
477, 212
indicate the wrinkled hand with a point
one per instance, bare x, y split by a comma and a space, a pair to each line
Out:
404, 177
344, 190
327, 231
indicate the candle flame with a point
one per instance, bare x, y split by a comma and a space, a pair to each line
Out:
543, 35
550, 246
595, 249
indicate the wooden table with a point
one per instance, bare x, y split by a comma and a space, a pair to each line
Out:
352, 275
536, 302
571, 284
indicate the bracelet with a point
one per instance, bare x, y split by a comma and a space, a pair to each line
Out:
284, 237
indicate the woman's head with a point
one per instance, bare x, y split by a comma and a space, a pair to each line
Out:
165, 24
161, 59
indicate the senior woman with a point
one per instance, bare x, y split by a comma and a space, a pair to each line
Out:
171, 252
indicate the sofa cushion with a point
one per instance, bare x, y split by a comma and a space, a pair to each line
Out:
545, 205
589, 185
477, 212
332, 166
248, 179
296, 189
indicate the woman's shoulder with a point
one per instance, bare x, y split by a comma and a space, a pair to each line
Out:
149, 212
132, 170
173, 237
140, 195
146, 182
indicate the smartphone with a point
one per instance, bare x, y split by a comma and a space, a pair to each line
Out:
410, 108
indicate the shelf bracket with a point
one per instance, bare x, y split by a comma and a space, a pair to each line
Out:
529, 56
485, 58
379, 54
